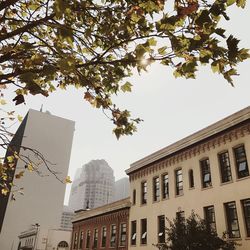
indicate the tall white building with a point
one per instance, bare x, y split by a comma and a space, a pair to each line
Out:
121, 190
93, 186
42, 202
66, 219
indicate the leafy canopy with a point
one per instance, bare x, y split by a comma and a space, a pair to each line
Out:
96, 44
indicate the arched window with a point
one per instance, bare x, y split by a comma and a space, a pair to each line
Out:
191, 178
63, 244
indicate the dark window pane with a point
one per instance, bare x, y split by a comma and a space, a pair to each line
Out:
209, 216
179, 182
161, 229
165, 186
133, 232
246, 209
156, 189
241, 161
143, 231
205, 173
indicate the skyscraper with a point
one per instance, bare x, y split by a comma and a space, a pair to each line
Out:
93, 186
42, 202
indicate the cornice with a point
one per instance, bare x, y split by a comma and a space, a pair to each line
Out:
196, 138
229, 136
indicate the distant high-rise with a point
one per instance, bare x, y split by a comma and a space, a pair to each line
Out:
121, 189
42, 202
93, 186
67, 216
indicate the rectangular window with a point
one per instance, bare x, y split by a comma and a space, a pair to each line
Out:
75, 240
156, 189
241, 161
165, 186
134, 197
88, 239
123, 234
161, 229
225, 169
179, 182
246, 210
113, 236
209, 217
232, 220
81, 239
104, 236
95, 242
143, 231
205, 173
191, 178
144, 192
133, 232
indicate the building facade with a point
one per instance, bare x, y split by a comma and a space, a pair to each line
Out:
43, 197
104, 227
207, 172
93, 186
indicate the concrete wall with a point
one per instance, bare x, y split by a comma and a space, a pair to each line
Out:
43, 197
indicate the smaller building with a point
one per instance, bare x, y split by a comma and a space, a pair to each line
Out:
121, 190
103, 228
66, 219
37, 238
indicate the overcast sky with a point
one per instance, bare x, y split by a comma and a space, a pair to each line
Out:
171, 109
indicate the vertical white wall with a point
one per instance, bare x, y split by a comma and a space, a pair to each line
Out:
43, 196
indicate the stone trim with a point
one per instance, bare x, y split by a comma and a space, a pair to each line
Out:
192, 151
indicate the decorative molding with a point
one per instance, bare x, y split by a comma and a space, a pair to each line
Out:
191, 152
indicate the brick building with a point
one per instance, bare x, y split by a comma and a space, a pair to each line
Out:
103, 228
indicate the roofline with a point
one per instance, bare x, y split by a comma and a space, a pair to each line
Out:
108, 208
226, 123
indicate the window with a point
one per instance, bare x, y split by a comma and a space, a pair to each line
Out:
232, 220
134, 197
81, 239
161, 229
225, 169
165, 188
209, 217
156, 189
179, 182
241, 161
75, 241
88, 239
95, 242
246, 210
144, 192
104, 236
205, 173
133, 232
123, 234
191, 178
143, 231
113, 236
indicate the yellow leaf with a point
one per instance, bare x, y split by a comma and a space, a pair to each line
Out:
20, 118
30, 167
3, 102
5, 191
67, 180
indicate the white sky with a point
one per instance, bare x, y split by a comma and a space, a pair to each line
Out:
171, 109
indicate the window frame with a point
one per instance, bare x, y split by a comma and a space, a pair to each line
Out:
75, 243
88, 238
156, 188
191, 178
133, 233
122, 242
165, 186
113, 232
209, 218
225, 167
144, 192
104, 237
81, 239
246, 216
95, 239
238, 162
178, 183
205, 171
134, 197
161, 234
143, 231
231, 220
